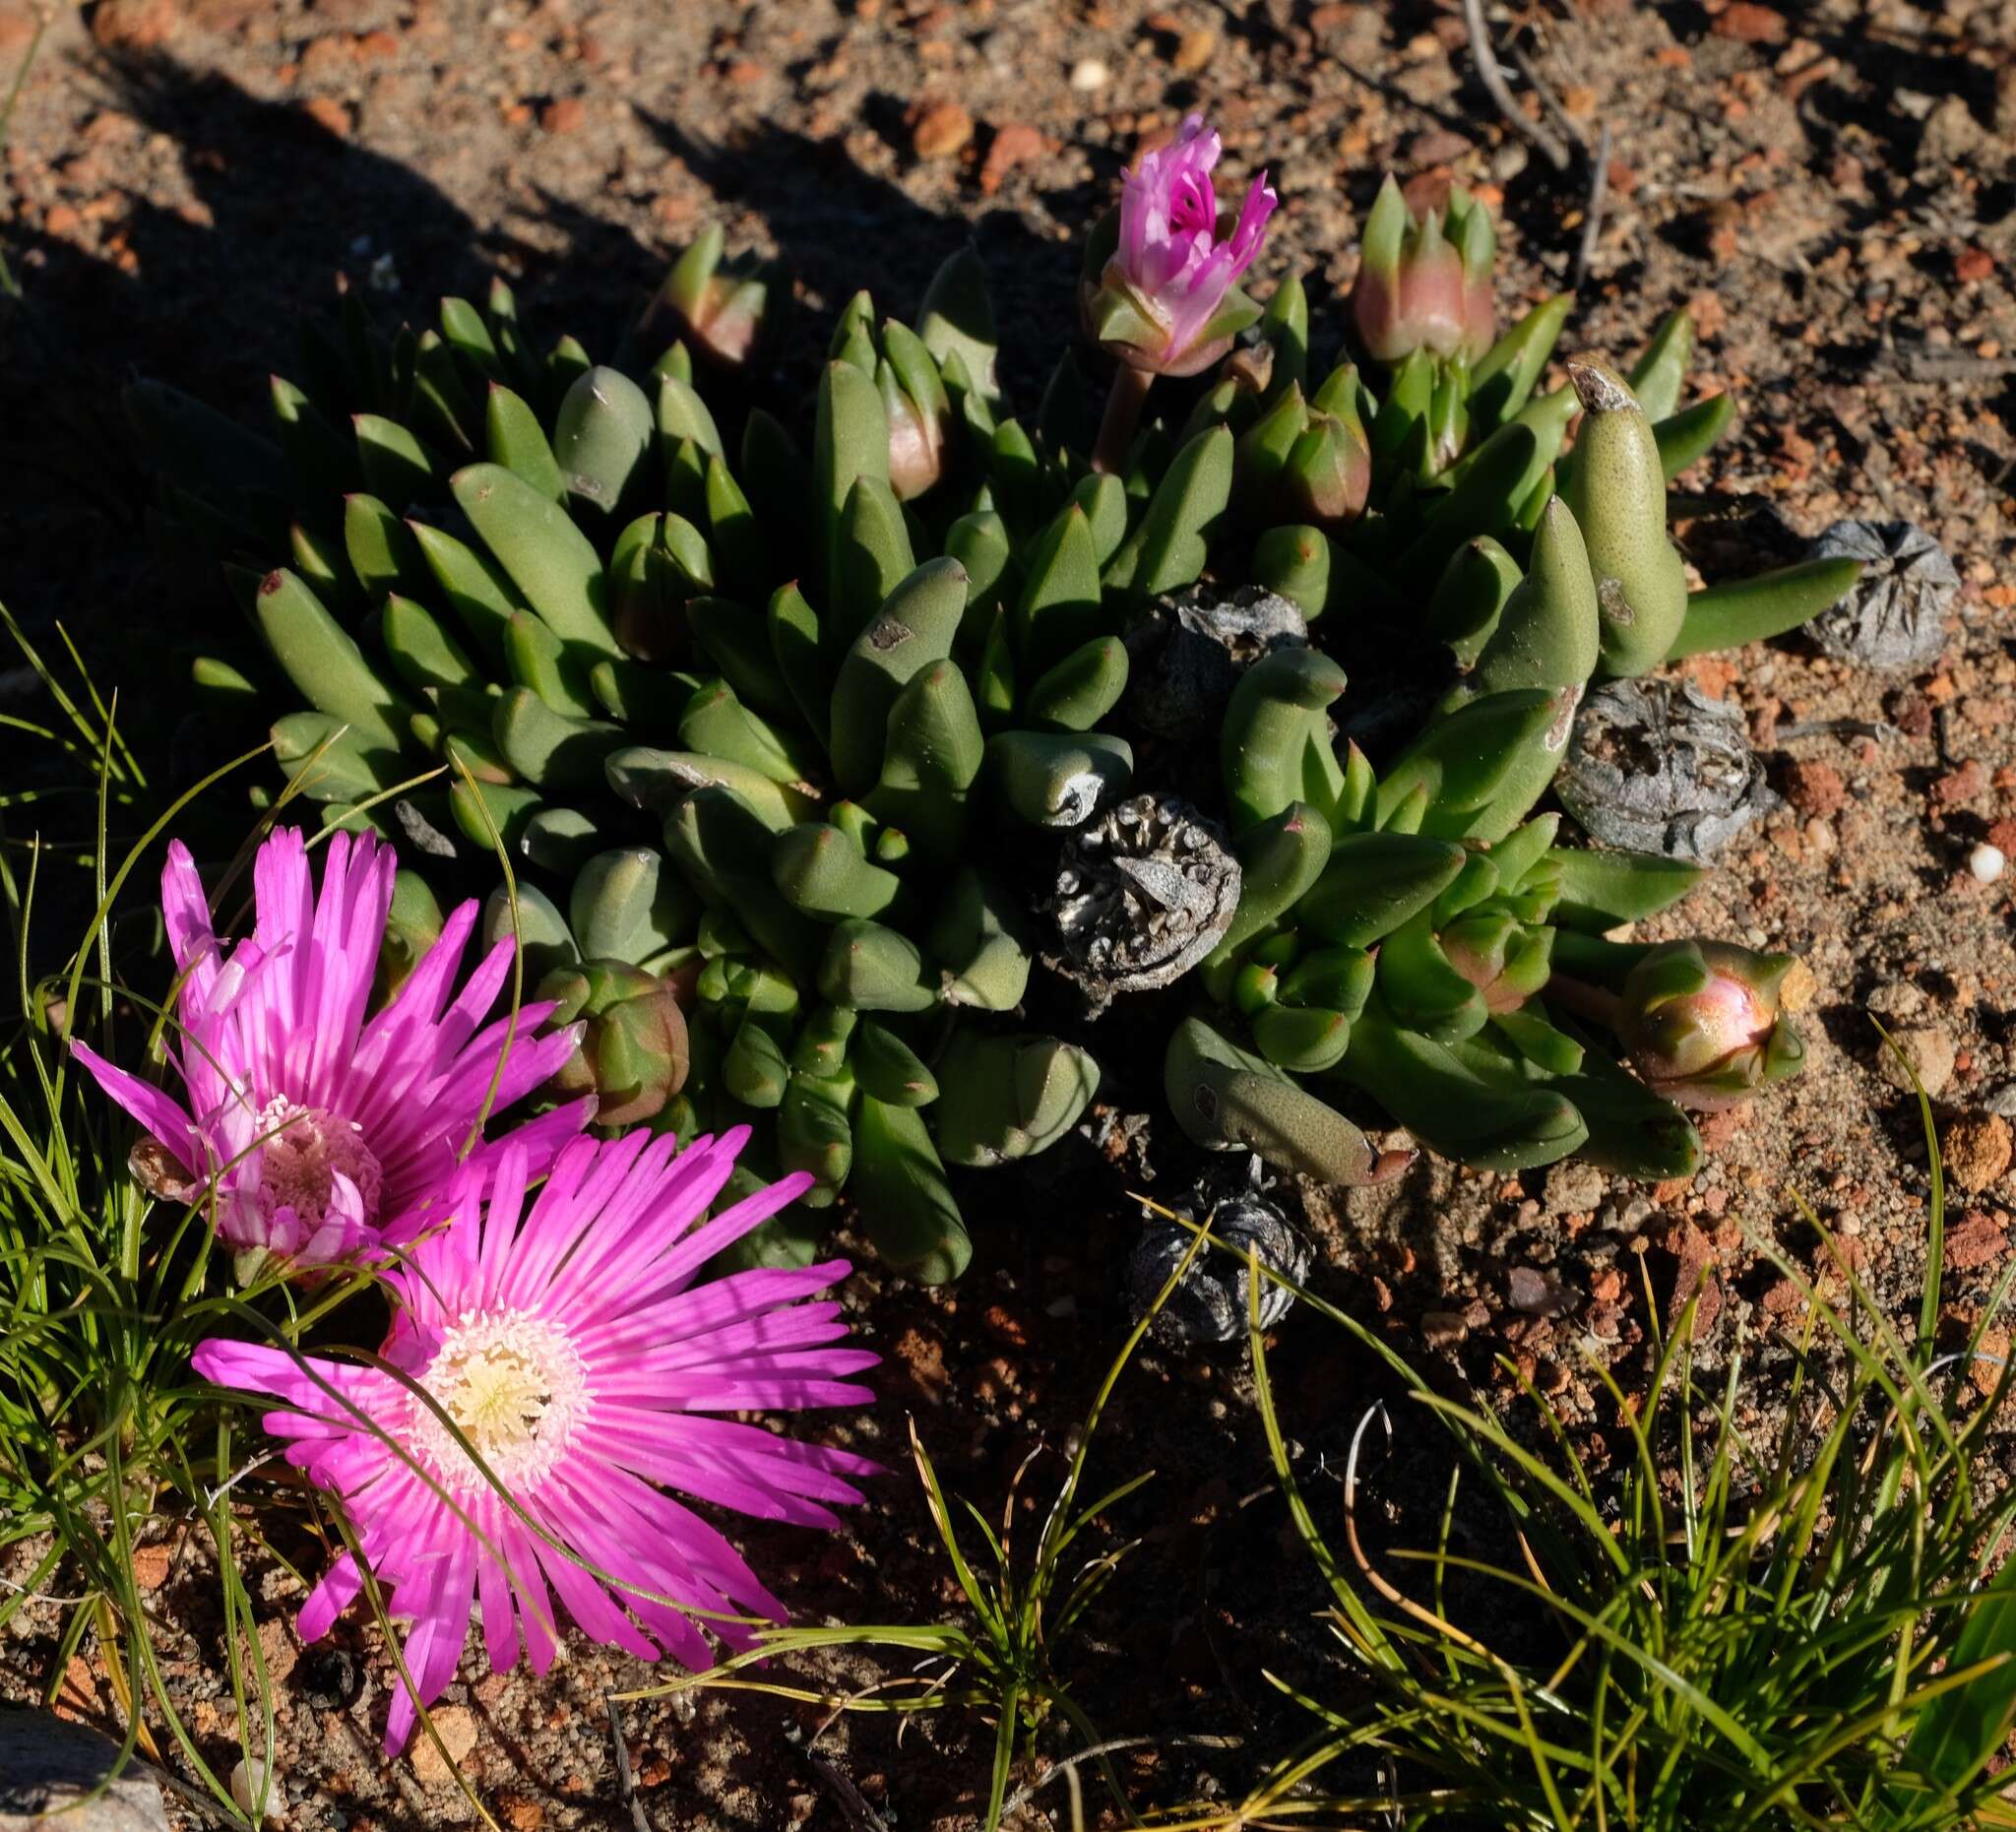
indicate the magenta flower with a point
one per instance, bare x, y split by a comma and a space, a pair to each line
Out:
317, 1131
1166, 299
572, 1348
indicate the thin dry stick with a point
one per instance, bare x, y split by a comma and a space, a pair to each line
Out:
1493, 79
1350, 1533
1549, 101
626, 1782
1069, 1765
852, 1802
1591, 227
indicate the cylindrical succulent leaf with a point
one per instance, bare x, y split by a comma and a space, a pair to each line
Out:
601, 437
1058, 779
326, 665
815, 1135
1503, 379
823, 871
546, 556
625, 905
1281, 858
1471, 596
1548, 634
1750, 610
957, 319
1226, 1099
1452, 1109
1373, 883
1617, 490
905, 1202
1275, 746
1006, 1097
1295, 560
976, 942
915, 627
888, 1068
543, 940
868, 967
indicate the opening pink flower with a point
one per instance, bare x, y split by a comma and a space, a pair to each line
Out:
571, 1348
1166, 299
320, 1132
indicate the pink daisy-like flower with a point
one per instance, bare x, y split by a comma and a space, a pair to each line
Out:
1169, 265
570, 1345
320, 1132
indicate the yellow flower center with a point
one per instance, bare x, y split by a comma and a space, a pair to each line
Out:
515, 1388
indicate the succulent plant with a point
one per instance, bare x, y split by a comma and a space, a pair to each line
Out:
800, 725
754, 724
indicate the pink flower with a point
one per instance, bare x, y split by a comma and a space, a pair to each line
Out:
572, 1348
1166, 299
320, 1132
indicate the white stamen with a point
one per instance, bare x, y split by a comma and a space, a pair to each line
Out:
514, 1387
298, 1163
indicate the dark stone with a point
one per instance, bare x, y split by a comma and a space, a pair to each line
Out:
329, 1679
1185, 652
48, 1766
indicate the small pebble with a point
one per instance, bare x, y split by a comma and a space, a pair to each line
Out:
1988, 864
247, 1780
1929, 1050
1088, 73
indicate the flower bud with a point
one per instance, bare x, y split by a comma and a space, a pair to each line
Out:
1425, 283
729, 312
1160, 289
1329, 473
633, 1049
913, 393
1507, 961
1701, 1021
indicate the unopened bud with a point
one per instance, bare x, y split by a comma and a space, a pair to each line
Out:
633, 1050
1425, 283
1703, 1024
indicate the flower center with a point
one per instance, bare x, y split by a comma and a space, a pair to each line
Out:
1192, 205
515, 1388
299, 1161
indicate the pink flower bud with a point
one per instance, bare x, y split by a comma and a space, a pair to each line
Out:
732, 312
1160, 290
1701, 1021
1427, 284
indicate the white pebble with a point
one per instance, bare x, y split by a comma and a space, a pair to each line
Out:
1088, 73
1988, 862
246, 1781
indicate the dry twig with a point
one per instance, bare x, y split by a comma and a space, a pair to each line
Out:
1592, 224
1492, 74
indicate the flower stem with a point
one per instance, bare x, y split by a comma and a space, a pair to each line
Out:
1585, 1000
1122, 415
